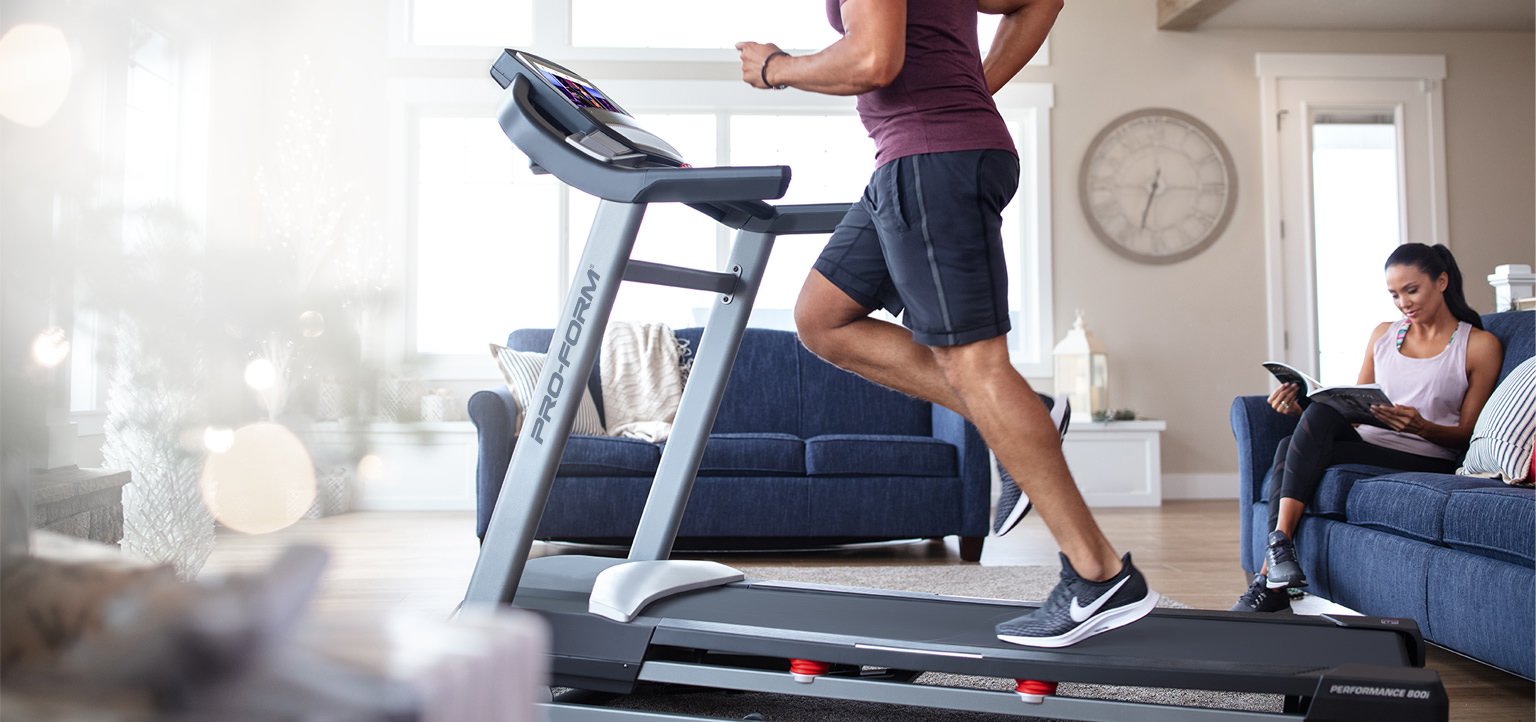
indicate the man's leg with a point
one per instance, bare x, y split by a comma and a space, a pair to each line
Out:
1016, 426
838, 329
1007, 412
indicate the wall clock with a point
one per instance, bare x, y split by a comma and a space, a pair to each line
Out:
1157, 185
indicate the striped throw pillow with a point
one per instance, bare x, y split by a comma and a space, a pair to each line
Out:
521, 371
1506, 430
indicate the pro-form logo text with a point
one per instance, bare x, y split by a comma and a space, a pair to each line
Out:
573, 330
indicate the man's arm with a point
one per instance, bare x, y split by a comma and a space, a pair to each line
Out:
1019, 36
868, 56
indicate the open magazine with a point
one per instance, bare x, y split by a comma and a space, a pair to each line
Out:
1354, 402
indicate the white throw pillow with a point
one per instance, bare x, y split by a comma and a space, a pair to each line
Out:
1506, 430
521, 371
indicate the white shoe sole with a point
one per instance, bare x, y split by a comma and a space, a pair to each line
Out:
1112, 619
1020, 510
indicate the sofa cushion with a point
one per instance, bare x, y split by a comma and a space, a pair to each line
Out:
879, 455
1516, 331
1482, 607
1333, 490
1505, 431
1377, 572
609, 456
1495, 521
748, 454
520, 369
762, 393
1406, 503
834, 401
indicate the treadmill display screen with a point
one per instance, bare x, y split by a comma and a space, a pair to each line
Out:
581, 93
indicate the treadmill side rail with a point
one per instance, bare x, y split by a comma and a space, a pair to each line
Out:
622, 590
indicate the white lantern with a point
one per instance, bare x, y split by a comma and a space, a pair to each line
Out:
1082, 372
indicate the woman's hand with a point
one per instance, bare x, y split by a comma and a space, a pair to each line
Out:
1401, 418
1283, 400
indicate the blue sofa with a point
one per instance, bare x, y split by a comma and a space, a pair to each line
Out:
1456, 554
802, 453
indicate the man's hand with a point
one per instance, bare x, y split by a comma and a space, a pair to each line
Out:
752, 57
869, 55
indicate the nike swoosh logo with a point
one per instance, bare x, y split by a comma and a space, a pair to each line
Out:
1079, 612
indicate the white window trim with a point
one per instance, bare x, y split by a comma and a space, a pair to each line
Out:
1271, 68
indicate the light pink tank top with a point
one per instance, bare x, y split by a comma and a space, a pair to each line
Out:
1435, 386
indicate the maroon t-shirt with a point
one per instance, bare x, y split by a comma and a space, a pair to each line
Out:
939, 101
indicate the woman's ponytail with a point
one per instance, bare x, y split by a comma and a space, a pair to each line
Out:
1433, 261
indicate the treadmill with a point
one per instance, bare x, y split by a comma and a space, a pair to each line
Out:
618, 624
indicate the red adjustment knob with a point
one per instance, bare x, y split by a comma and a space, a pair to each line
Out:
1034, 691
806, 671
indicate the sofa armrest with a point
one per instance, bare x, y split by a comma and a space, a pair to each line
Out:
1258, 430
975, 469
493, 412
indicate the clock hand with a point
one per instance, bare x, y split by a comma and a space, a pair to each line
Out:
1150, 195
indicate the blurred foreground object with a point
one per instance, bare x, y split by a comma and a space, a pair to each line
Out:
97, 637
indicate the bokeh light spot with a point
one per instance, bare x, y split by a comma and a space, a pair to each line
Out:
51, 347
265, 481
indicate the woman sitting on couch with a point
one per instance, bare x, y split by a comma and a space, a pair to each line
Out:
1438, 366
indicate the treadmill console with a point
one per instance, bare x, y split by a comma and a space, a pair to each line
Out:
588, 118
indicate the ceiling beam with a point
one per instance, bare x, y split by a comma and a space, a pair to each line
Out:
1187, 14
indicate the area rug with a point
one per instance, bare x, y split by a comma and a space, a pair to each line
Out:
1025, 583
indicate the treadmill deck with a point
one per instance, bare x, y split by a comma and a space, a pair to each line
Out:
1279, 654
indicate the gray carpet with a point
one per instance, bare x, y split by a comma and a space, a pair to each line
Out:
1026, 583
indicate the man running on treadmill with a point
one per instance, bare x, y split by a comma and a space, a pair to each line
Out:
925, 243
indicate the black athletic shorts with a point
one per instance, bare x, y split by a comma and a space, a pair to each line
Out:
925, 243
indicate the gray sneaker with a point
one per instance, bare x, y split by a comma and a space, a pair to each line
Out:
1078, 609
1284, 570
1012, 504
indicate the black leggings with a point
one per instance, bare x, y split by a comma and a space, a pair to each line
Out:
1323, 438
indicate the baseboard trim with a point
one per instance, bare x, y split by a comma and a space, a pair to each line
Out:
1200, 486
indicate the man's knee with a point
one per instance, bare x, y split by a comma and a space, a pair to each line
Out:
980, 363
820, 311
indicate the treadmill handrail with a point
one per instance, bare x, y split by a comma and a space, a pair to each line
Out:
530, 131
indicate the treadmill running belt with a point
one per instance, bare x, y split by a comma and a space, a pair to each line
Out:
1169, 648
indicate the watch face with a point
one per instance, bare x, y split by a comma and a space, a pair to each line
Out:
1157, 185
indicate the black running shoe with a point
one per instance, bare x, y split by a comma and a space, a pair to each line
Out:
1260, 598
1078, 609
1012, 504
1284, 570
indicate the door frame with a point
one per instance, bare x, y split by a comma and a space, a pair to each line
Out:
1271, 68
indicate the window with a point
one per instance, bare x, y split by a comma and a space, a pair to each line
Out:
493, 247
487, 247
1356, 224
151, 159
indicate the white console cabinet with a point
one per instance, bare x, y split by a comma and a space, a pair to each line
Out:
1117, 463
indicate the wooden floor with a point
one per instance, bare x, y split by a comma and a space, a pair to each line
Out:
421, 561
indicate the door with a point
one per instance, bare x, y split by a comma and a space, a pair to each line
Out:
1357, 169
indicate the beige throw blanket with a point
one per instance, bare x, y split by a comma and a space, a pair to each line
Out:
642, 384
